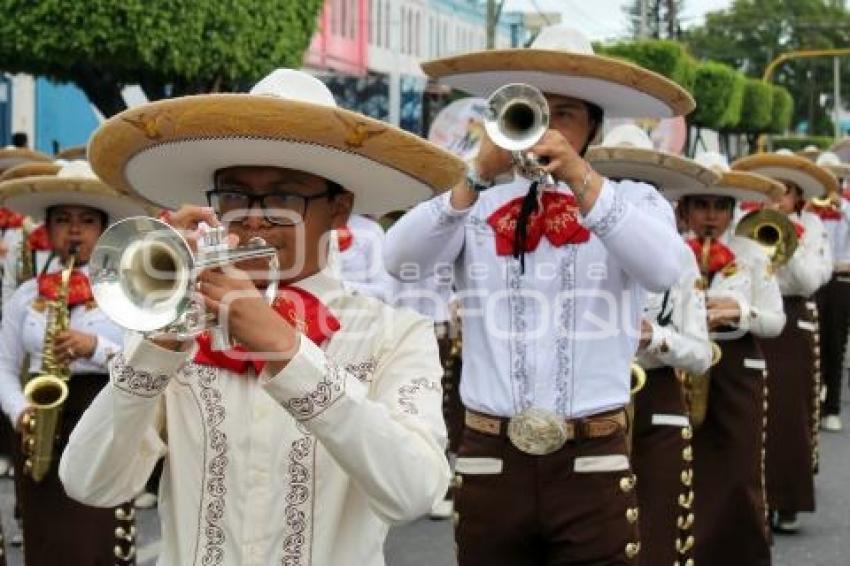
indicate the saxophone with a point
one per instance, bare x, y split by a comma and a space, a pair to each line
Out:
26, 266
47, 392
696, 387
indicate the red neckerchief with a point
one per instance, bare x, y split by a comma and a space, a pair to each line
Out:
826, 213
558, 222
344, 238
38, 240
719, 256
79, 290
299, 308
10, 219
800, 229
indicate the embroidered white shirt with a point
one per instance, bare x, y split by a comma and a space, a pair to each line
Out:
838, 231
679, 325
750, 281
561, 336
309, 466
811, 265
23, 334
361, 266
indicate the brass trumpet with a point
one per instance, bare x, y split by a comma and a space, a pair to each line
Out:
773, 231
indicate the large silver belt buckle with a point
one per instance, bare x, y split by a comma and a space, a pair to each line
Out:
537, 431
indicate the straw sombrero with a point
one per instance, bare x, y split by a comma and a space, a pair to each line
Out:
627, 153
11, 156
72, 153
167, 152
73, 185
31, 169
739, 185
832, 163
561, 61
810, 152
813, 180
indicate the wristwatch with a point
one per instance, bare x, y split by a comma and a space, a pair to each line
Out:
474, 182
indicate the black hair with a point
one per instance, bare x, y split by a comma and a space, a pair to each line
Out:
729, 202
20, 139
104, 217
597, 116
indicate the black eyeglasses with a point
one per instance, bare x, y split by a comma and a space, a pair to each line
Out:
281, 209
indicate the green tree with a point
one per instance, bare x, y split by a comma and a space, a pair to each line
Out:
168, 47
663, 18
751, 33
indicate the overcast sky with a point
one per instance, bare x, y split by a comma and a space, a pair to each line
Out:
604, 19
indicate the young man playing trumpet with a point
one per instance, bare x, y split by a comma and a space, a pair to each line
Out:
305, 443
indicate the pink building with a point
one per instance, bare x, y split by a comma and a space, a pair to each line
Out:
341, 39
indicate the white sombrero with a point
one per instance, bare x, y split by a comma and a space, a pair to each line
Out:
815, 181
739, 185
167, 152
11, 156
73, 185
832, 163
810, 152
31, 169
627, 153
561, 61
842, 149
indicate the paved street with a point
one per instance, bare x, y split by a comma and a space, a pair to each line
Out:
823, 541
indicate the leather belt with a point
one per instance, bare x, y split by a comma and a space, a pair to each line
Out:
596, 426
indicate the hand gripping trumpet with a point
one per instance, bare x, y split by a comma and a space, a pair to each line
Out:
516, 117
144, 273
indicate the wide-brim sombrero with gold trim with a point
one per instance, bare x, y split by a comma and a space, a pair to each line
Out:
842, 149
814, 181
167, 152
31, 169
11, 156
627, 153
73, 185
832, 163
561, 61
72, 153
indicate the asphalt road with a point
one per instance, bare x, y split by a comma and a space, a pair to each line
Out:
824, 539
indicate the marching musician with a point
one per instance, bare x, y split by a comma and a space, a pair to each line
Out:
790, 356
76, 208
550, 281
323, 427
834, 297
361, 258
743, 302
674, 338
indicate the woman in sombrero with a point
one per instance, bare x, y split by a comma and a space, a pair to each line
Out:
76, 207
674, 338
324, 427
791, 359
744, 303
550, 278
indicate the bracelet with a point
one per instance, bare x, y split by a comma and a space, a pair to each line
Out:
474, 182
579, 192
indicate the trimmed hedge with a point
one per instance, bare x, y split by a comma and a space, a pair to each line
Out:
667, 58
719, 93
782, 110
756, 110
796, 143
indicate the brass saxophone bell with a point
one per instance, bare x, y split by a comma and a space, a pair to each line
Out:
773, 231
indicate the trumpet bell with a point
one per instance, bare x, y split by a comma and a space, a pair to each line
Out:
516, 117
773, 231
141, 273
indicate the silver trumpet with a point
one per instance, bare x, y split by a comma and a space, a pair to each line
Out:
143, 274
516, 117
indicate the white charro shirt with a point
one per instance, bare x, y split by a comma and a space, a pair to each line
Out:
361, 266
22, 335
749, 279
811, 265
838, 231
430, 296
679, 323
306, 467
561, 336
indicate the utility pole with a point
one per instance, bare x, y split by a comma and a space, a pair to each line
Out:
644, 31
671, 19
837, 96
491, 24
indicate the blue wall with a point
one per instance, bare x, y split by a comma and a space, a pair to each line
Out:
5, 111
62, 114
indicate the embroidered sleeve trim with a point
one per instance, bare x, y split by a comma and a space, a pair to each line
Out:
327, 392
611, 219
136, 382
444, 217
407, 393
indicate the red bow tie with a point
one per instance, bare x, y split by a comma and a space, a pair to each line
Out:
344, 238
751, 205
79, 290
299, 308
558, 222
826, 212
10, 219
38, 240
719, 256
800, 229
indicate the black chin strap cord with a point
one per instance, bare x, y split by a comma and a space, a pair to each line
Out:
529, 206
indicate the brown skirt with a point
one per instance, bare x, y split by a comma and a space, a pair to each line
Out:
658, 459
790, 363
731, 527
56, 525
